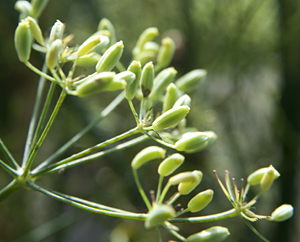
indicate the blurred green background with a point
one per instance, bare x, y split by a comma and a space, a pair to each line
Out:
251, 99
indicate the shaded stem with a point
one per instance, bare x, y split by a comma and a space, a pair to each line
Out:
40, 73
160, 141
164, 192
134, 112
255, 231
161, 178
173, 232
8, 169
8, 155
8, 189
141, 190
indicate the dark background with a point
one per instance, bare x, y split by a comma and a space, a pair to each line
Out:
251, 49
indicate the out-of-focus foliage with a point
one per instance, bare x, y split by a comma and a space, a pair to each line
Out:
237, 41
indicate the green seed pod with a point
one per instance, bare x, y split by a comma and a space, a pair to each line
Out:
146, 155
165, 53
200, 201
183, 100
38, 7
94, 84
151, 46
115, 85
158, 215
255, 177
24, 7
145, 56
185, 188
105, 24
148, 35
131, 88
103, 44
191, 80
170, 164
127, 76
213, 234
267, 179
170, 118
147, 78
57, 31
170, 97
23, 41
88, 45
110, 57
282, 213
161, 82
90, 59
36, 31
187, 176
52, 55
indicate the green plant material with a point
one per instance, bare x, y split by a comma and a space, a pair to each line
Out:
131, 88
24, 7
255, 177
158, 215
57, 31
90, 59
165, 53
268, 179
170, 97
200, 201
187, 176
213, 234
183, 100
282, 213
110, 57
170, 118
146, 155
38, 7
148, 35
87, 46
53, 53
105, 24
36, 31
127, 76
191, 80
23, 41
185, 187
170, 164
147, 78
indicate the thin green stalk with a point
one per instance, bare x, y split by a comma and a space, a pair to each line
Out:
160, 141
8, 155
55, 168
120, 67
34, 116
164, 192
141, 190
8, 189
134, 112
158, 234
136, 216
40, 73
28, 164
92, 124
255, 231
173, 232
160, 181
8, 169
174, 198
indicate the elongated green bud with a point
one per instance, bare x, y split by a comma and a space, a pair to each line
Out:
24, 7
115, 85
38, 7
170, 118
147, 78
161, 82
104, 43
282, 213
151, 46
94, 84
200, 201
131, 88
23, 41
185, 188
268, 179
187, 176
148, 35
52, 55
165, 53
145, 56
146, 155
183, 100
191, 80
105, 24
90, 59
88, 45
195, 141
127, 76
170, 97
213, 234
170, 164
255, 177
110, 57
36, 31
57, 31
158, 215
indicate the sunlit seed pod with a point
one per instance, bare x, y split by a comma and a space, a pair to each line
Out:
200, 201
131, 89
185, 188
151, 46
170, 118
105, 24
183, 100
127, 76
165, 53
145, 56
267, 179
36, 31
147, 78
23, 41
213, 234
148, 35
104, 43
24, 7
110, 57
94, 84
53, 53
57, 31
158, 215
115, 85
90, 59
37, 7
191, 80
146, 155
170, 164
161, 81
255, 177
282, 213
187, 176
170, 97
87, 46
